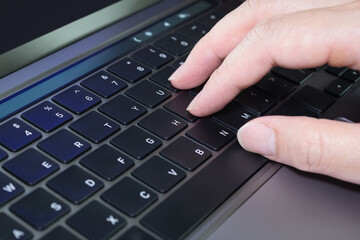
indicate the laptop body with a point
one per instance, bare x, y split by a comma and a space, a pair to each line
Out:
263, 207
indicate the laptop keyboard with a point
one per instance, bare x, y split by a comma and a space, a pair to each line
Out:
116, 154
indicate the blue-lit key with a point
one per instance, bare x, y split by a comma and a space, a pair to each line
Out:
37, 167
3, 155
8, 189
77, 99
47, 116
104, 84
15, 134
64, 146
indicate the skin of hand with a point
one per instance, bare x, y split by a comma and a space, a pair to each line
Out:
260, 34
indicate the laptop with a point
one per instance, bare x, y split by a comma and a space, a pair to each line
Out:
95, 143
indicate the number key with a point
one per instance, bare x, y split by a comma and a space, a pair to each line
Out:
129, 70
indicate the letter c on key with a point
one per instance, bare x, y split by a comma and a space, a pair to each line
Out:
144, 195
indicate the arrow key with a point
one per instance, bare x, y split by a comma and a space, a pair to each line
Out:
159, 174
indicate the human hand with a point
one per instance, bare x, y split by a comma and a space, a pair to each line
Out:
260, 34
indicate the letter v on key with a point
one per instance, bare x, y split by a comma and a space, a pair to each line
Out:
172, 172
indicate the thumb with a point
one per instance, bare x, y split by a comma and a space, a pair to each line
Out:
314, 145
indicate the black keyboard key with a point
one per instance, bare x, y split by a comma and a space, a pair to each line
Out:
209, 20
136, 233
276, 86
153, 56
37, 167
9, 189
64, 146
162, 78
40, 208
96, 222
77, 99
297, 76
129, 197
104, 84
122, 109
11, 230
129, 69
178, 106
292, 108
186, 153
15, 134
255, 100
338, 87
59, 233
47, 116
211, 134
107, 162
159, 174
233, 116
163, 124
75, 184
95, 127
228, 7
203, 193
337, 71
136, 142
193, 31
179, 62
314, 99
351, 75
3, 155
175, 44
148, 93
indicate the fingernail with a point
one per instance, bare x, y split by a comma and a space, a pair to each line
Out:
176, 73
257, 138
193, 103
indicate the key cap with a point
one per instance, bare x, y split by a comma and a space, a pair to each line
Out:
297, 76
95, 221
59, 233
47, 116
129, 197
152, 56
37, 167
276, 86
203, 193
122, 109
291, 108
180, 61
107, 162
175, 44
130, 70
193, 31
159, 174
11, 230
3, 155
210, 19
255, 100
136, 142
135, 233
178, 106
9, 189
211, 134
40, 209
163, 124
162, 78
148, 94
228, 7
95, 127
351, 75
233, 116
337, 71
77, 99
75, 184
338, 87
314, 98
15, 134
186, 153
64, 146
104, 84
